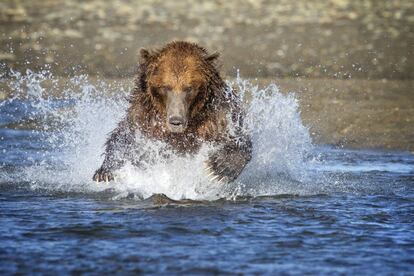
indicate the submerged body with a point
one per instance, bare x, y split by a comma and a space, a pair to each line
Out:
181, 99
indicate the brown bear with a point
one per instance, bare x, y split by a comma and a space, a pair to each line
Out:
180, 98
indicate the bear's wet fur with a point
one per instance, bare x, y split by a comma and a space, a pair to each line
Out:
181, 99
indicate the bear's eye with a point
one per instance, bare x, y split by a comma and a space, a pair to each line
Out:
165, 88
188, 89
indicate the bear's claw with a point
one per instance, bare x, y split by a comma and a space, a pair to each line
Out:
103, 175
226, 164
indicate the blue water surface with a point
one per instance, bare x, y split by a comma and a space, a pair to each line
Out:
363, 224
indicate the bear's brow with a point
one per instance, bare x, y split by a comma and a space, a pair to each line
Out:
183, 65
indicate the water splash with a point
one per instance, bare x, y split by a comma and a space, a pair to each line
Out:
73, 117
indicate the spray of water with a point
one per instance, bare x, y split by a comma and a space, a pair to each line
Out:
74, 116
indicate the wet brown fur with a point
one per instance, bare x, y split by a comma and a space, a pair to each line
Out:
178, 66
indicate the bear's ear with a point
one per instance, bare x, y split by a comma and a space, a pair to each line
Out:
213, 57
145, 54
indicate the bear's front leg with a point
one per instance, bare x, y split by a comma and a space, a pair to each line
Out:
116, 152
226, 164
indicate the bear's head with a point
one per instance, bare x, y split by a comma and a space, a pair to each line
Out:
181, 80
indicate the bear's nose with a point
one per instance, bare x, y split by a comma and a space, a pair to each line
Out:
176, 121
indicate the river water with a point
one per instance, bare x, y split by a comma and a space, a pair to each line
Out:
297, 208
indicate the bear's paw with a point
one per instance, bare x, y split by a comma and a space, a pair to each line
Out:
103, 174
226, 164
